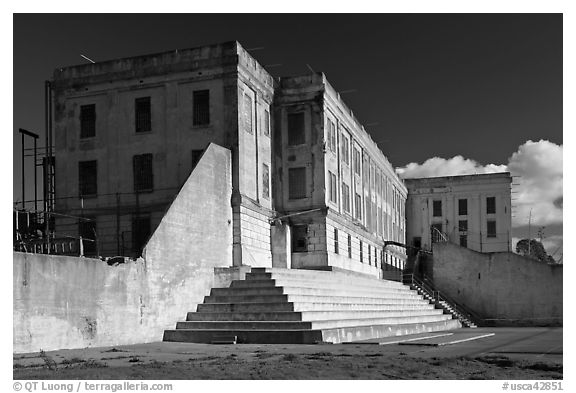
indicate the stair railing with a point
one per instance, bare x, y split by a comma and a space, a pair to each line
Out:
460, 312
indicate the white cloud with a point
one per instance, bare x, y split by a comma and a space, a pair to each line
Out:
538, 165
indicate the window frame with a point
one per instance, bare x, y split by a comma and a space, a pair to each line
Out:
143, 115
201, 110
87, 123
137, 173
298, 172
87, 189
296, 139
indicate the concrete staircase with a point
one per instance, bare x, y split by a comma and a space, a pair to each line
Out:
309, 306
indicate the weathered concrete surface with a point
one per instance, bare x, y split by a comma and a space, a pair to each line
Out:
505, 288
68, 302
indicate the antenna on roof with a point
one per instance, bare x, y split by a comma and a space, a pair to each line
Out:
310, 68
90, 60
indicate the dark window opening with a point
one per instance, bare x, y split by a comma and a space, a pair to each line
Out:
297, 183
463, 225
417, 242
437, 208
201, 108
336, 244
296, 130
265, 181
463, 240
87, 121
143, 114
462, 207
88, 178
140, 233
143, 173
266, 122
87, 231
349, 246
196, 155
300, 238
491, 228
491, 205
361, 252
369, 254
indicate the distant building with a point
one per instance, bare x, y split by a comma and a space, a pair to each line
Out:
473, 211
130, 131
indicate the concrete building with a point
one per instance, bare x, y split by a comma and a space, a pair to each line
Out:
130, 131
473, 211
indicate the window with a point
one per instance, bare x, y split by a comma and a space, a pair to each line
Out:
491, 228
248, 113
333, 187
143, 174
331, 136
346, 197
358, 207
336, 246
88, 178
491, 205
349, 246
369, 254
463, 240
266, 122
143, 116
462, 207
87, 121
297, 183
463, 225
87, 231
357, 161
436, 208
345, 151
140, 233
436, 232
201, 107
196, 155
361, 252
300, 238
296, 134
265, 181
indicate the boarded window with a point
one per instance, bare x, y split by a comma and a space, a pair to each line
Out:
143, 116
196, 155
88, 178
300, 238
436, 207
491, 205
265, 181
87, 230
462, 207
346, 197
140, 233
201, 108
248, 114
297, 183
491, 228
143, 173
87, 121
336, 243
296, 132
333, 187
266, 122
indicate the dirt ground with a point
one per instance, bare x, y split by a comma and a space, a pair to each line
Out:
528, 353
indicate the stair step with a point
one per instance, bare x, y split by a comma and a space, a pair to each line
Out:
302, 298
270, 283
387, 305
311, 291
324, 277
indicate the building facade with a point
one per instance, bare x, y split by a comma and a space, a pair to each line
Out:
130, 131
473, 211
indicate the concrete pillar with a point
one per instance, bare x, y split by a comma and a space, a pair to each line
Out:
280, 239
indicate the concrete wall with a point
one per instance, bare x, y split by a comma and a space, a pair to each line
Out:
504, 288
68, 302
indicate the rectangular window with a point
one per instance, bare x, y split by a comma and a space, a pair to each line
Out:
87, 230
436, 208
463, 240
296, 132
361, 252
88, 178
87, 121
300, 238
346, 197
349, 246
201, 107
248, 113
462, 207
358, 207
336, 245
332, 187
143, 116
297, 183
331, 136
491, 205
345, 150
266, 122
463, 225
491, 228
265, 181
140, 233
196, 155
143, 173
357, 161
369, 254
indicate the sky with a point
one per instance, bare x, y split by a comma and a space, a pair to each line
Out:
441, 94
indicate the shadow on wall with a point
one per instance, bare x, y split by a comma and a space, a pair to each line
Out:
503, 288
70, 302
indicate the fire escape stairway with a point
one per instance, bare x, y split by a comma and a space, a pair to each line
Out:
308, 306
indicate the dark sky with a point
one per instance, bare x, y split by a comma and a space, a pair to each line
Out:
478, 85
